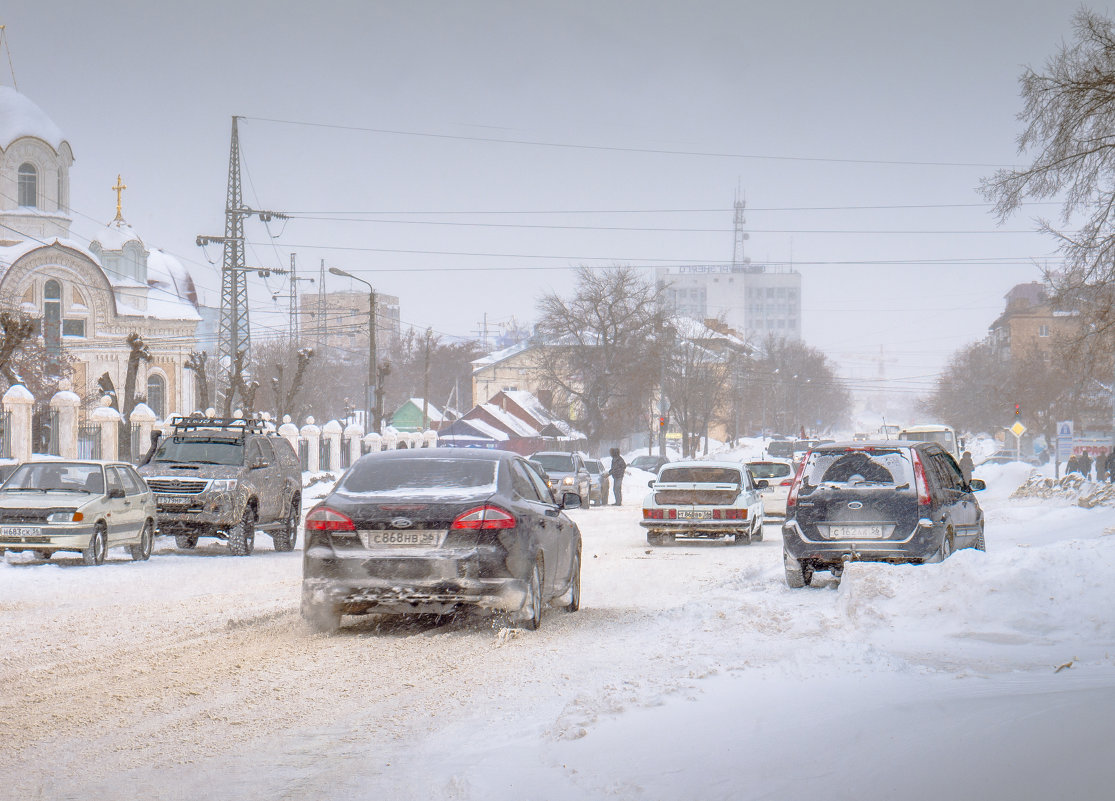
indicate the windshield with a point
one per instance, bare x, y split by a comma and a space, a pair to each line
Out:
201, 450
877, 466
769, 469
391, 475
699, 475
58, 477
554, 462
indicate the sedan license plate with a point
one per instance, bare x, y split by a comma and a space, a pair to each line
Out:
694, 514
15, 532
174, 500
425, 538
856, 532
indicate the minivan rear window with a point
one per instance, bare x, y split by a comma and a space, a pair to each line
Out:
855, 467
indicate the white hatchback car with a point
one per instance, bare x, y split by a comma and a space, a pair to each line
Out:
779, 476
703, 500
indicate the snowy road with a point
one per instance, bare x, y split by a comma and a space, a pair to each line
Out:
690, 672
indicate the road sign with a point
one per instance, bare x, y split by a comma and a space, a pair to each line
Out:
1064, 440
1018, 429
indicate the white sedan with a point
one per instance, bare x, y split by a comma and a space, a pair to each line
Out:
703, 500
778, 476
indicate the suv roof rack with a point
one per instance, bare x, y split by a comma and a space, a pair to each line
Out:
235, 425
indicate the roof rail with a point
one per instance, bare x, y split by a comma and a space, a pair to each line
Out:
239, 425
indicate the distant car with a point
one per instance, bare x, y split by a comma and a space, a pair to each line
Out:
780, 449
1004, 458
703, 499
648, 462
434, 529
898, 502
83, 506
565, 472
779, 476
601, 482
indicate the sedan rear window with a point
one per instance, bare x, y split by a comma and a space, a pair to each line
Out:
769, 469
392, 475
699, 475
889, 466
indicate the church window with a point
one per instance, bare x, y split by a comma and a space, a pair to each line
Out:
28, 185
60, 184
156, 394
52, 317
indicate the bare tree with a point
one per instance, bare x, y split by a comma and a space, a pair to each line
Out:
1069, 116
600, 350
198, 361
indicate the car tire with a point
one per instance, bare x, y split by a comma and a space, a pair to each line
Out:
323, 618
757, 534
575, 584
185, 542
981, 543
743, 537
945, 551
44, 555
94, 554
242, 536
795, 579
141, 551
654, 539
532, 620
286, 537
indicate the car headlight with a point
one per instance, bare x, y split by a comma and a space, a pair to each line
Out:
567, 480
65, 516
222, 485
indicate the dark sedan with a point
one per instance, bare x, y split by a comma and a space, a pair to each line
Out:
877, 502
429, 531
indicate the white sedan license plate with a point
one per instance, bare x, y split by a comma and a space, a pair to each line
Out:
174, 500
8, 532
856, 532
694, 514
427, 538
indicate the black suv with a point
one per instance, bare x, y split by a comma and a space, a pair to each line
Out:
877, 502
225, 478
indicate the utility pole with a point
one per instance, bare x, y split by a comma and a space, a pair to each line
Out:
234, 331
322, 327
372, 395
426, 385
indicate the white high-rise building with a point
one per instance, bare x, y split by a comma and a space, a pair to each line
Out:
756, 300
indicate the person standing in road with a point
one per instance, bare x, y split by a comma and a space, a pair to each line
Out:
1085, 464
616, 471
1109, 466
966, 467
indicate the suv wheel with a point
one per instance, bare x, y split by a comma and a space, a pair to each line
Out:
287, 535
242, 536
185, 542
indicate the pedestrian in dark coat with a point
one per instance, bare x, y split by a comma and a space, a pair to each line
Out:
966, 467
616, 471
1109, 465
1085, 464
1073, 465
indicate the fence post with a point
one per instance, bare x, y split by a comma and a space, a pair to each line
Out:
289, 432
312, 435
429, 439
332, 433
353, 433
373, 443
18, 402
109, 420
66, 403
143, 417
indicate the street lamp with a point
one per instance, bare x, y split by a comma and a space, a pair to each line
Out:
371, 393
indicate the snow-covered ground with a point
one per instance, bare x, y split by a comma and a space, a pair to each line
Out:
691, 672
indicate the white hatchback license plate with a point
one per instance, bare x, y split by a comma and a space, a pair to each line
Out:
8, 532
414, 539
856, 532
694, 514
174, 500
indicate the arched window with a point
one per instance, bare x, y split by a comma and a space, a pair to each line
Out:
28, 185
52, 317
156, 395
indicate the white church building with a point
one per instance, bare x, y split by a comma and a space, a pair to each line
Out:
89, 295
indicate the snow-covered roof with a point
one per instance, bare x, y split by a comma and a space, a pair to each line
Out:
432, 411
114, 235
166, 274
518, 426
19, 117
487, 429
500, 355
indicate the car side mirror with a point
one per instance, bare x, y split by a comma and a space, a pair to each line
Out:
977, 484
651, 483
570, 500
762, 483
116, 492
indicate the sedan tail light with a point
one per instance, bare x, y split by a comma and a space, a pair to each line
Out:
788, 482
325, 519
921, 482
729, 514
484, 518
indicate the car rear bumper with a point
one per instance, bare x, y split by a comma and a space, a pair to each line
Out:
695, 528
918, 546
405, 581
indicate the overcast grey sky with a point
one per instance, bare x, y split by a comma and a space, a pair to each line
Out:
811, 107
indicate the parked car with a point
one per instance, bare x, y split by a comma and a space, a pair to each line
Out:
881, 502
84, 506
565, 472
431, 530
703, 499
226, 478
601, 482
779, 476
649, 462
780, 449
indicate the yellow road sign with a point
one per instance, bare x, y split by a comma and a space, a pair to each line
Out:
1018, 429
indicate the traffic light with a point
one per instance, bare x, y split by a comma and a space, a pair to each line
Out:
1018, 410
661, 422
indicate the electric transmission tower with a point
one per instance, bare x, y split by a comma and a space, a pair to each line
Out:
741, 236
234, 332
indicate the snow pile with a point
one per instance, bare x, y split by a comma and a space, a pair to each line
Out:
1073, 488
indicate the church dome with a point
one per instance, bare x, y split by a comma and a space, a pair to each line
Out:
19, 118
115, 235
166, 273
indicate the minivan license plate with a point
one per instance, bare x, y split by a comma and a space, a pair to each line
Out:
856, 532
423, 538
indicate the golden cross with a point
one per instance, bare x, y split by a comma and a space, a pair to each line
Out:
119, 189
